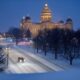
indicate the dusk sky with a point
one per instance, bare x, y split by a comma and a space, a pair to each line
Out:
12, 11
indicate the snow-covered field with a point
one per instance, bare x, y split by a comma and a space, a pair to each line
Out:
61, 62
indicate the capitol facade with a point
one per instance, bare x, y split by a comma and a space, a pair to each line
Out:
45, 22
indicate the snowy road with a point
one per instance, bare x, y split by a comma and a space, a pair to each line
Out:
32, 64
29, 66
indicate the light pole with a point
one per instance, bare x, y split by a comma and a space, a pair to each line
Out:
7, 51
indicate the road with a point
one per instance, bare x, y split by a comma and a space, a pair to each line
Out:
32, 63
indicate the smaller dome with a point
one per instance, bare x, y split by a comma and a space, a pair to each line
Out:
61, 21
69, 20
27, 18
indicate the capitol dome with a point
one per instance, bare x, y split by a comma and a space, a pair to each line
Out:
46, 14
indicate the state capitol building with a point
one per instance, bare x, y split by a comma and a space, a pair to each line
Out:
45, 22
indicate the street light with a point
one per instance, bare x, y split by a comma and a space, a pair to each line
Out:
7, 50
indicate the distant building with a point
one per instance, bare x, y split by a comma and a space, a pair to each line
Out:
45, 22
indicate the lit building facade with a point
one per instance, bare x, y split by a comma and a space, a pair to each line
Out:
45, 22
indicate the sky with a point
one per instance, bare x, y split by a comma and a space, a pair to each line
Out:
12, 11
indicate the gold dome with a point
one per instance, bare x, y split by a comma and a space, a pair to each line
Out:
46, 14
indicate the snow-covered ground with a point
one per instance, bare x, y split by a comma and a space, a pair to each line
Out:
30, 65
33, 63
61, 62
73, 74
39, 58
69, 73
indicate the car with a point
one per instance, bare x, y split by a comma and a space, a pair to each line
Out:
21, 59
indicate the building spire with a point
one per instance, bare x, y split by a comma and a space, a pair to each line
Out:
46, 4
23, 17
